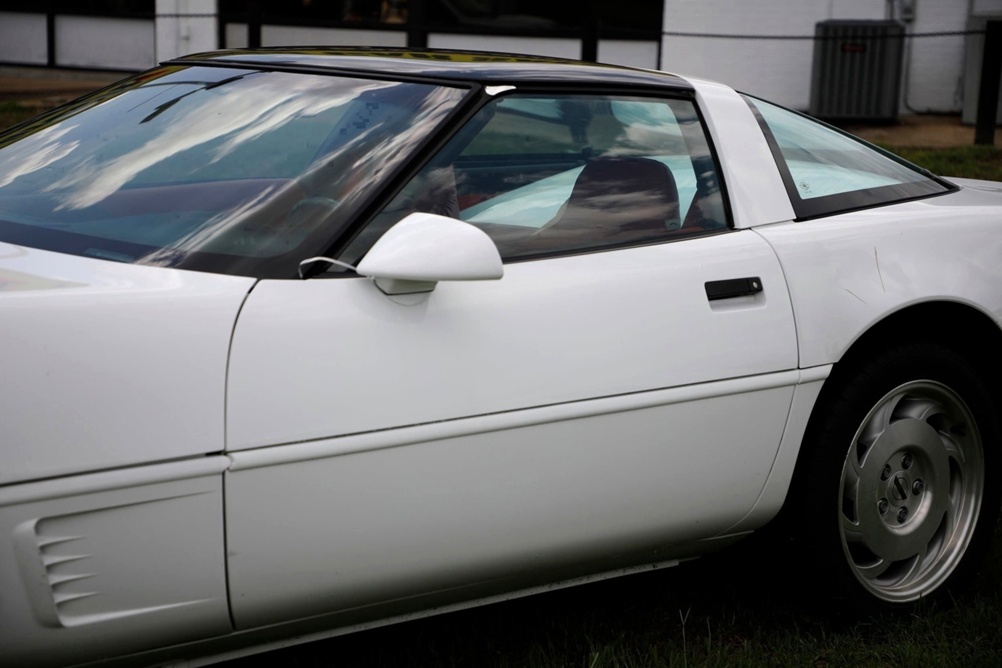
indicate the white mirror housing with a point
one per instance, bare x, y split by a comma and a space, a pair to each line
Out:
424, 248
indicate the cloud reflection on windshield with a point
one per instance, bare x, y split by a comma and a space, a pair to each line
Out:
218, 169
238, 116
37, 152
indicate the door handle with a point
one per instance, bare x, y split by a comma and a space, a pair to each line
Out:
733, 287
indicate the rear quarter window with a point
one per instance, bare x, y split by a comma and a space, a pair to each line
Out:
827, 171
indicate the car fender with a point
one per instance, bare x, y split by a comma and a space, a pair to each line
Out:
846, 273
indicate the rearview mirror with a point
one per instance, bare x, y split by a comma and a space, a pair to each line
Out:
424, 248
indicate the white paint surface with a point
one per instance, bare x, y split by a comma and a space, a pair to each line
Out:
116, 364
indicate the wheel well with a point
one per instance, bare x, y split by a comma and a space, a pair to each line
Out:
962, 328
966, 330
919, 386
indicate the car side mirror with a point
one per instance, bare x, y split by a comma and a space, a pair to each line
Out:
424, 248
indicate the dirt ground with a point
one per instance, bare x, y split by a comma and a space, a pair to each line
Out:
43, 88
920, 131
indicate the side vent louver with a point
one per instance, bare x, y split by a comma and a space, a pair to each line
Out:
61, 558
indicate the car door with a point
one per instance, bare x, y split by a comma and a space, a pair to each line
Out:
619, 395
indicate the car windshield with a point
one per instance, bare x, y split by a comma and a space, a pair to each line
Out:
210, 168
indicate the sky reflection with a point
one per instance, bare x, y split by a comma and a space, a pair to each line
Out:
212, 160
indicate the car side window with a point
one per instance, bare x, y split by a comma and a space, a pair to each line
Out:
828, 172
544, 175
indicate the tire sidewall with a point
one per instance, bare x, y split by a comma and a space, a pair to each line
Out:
847, 399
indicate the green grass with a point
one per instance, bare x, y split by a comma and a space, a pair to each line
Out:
736, 609
12, 113
973, 162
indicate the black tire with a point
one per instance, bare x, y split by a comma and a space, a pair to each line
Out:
892, 501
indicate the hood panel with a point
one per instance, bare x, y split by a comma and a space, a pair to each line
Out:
108, 364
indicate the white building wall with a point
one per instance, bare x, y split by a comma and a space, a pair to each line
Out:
628, 52
184, 27
109, 43
297, 36
22, 38
986, 7
780, 70
619, 52
981, 12
933, 78
236, 36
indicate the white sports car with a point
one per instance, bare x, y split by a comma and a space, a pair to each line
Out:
297, 340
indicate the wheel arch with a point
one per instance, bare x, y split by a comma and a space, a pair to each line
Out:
962, 327
973, 340
969, 331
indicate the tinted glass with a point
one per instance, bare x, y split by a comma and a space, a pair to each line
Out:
564, 174
218, 169
828, 172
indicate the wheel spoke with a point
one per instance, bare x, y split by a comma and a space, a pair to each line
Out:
910, 488
953, 449
875, 426
851, 479
874, 570
916, 408
943, 521
852, 532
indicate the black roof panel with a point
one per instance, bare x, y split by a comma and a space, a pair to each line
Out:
462, 66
